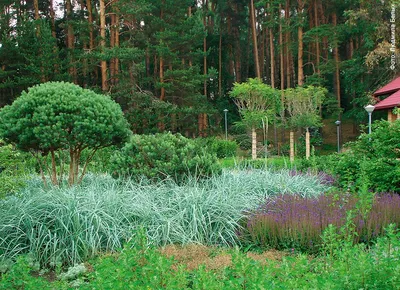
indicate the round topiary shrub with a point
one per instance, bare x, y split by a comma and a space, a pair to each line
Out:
162, 156
56, 116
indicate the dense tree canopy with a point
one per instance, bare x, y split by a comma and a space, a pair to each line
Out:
171, 63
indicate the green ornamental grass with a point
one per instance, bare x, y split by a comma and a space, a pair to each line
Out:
69, 225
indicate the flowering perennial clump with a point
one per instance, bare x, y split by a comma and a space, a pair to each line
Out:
292, 221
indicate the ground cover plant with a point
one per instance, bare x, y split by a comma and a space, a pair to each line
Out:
68, 225
342, 265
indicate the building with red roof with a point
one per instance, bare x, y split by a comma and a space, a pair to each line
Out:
389, 97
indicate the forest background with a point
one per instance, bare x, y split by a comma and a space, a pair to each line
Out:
171, 64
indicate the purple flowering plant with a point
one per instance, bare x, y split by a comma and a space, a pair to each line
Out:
295, 222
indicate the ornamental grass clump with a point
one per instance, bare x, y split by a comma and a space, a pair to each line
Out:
64, 225
68, 225
267, 183
293, 222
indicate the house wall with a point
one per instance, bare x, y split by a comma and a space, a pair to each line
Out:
392, 117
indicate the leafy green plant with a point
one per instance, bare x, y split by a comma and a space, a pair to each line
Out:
243, 140
315, 141
222, 148
58, 116
302, 105
377, 160
258, 104
139, 265
15, 167
19, 276
162, 156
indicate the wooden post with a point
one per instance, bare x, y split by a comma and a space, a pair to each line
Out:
253, 143
307, 144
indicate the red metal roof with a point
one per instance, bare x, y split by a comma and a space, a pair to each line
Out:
390, 102
391, 87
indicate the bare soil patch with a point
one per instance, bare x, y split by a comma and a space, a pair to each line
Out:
214, 258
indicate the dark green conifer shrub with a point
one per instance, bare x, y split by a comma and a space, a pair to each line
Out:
222, 148
56, 116
162, 156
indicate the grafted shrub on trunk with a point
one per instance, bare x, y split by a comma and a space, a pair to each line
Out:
57, 116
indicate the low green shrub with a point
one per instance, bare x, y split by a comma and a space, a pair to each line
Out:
377, 156
15, 166
243, 140
101, 161
222, 148
162, 156
20, 277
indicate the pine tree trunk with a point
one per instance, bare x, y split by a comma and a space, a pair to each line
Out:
300, 71
317, 39
85, 47
287, 46
282, 68
231, 66
337, 71
71, 41
104, 81
91, 35
90, 24
162, 94
291, 146
254, 37
202, 118
37, 17
253, 143
36, 8
205, 3
351, 52
147, 62
272, 52
324, 38
116, 43
307, 144
220, 64
112, 45
161, 125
